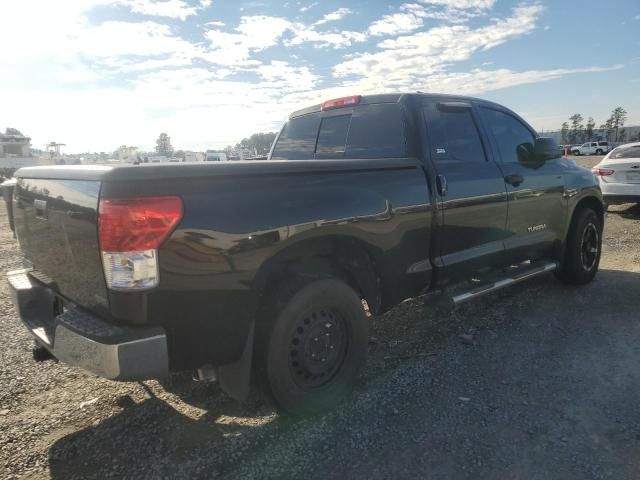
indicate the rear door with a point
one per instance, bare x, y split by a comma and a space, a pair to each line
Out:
537, 207
471, 192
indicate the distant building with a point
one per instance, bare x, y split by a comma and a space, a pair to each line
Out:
14, 143
193, 156
127, 154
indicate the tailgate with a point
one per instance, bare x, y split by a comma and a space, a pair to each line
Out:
56, 225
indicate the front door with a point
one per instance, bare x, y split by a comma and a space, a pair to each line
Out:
537, 207
471, 193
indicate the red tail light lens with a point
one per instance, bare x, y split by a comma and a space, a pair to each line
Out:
139, 223
341, 102
602, 172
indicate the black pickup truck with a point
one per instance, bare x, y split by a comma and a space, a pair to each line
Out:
265, 269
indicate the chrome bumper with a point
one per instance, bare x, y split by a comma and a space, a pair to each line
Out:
79, 338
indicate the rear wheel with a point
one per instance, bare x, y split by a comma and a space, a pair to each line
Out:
317, 346
582, 249
599, 152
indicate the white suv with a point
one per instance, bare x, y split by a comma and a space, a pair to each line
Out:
591, 148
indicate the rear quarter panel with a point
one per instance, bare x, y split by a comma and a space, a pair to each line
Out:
233, 224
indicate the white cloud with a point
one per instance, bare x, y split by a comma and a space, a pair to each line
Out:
334, 16
118, 39
205, 3
398, 23
461, 4
308, 7
335, 39
162, 8
254, 33
156, 87
404, 61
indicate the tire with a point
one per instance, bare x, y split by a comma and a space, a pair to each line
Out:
323, 319
580, 262
575, 152
599, 152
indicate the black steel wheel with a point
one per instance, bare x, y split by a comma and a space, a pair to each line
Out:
582, 249
317, 345
590, 246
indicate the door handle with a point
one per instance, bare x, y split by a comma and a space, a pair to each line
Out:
441, 184
514, 179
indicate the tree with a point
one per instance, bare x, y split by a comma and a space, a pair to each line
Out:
575, 134
617, 119
623, 135
13, 131
163, 145
564, 133
589, 129
607, 129
260, 143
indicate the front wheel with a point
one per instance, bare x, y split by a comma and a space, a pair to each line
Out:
582, 249
317, 346
576, 152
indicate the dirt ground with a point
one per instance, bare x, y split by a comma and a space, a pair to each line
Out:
548, 388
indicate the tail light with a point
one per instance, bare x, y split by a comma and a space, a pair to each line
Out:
602, 172
340, 102
130, 231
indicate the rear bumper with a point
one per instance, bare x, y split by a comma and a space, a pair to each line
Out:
79, 338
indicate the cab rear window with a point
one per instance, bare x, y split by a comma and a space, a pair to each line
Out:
298, 139
367, 131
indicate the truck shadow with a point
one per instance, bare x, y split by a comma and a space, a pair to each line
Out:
205, 434
626, 211
154, 437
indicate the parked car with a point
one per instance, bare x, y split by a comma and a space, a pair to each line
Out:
215, 156
591, 148
619, 174
231, 268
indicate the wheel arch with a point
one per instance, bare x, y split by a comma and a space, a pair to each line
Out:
345, 257
592, 202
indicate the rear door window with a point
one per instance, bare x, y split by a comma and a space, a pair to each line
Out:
298, 139
454, 137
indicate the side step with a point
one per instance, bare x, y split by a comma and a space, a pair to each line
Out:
519, 274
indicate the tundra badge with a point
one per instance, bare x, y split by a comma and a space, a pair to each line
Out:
537, 228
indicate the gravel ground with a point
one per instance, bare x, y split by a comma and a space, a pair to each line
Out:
544, 384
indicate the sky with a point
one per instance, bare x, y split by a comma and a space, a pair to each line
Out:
97, 74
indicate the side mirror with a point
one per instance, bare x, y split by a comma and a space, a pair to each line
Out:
545, 149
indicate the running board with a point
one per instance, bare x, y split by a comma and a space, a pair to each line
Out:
505, 282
